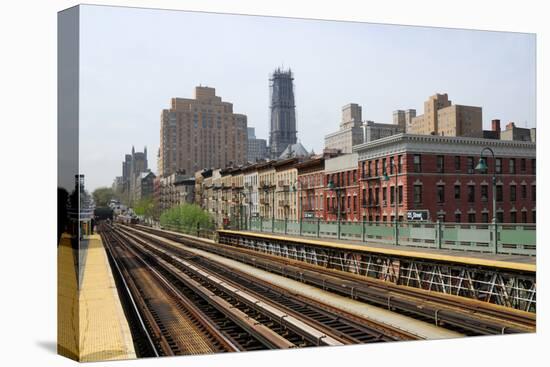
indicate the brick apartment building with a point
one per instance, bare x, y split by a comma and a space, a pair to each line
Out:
311, 188
342, 172
436, 174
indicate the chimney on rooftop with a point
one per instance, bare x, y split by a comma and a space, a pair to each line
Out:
495, 126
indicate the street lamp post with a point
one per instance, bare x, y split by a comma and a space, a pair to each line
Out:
250, 206
395, 201
337, 190
482, 167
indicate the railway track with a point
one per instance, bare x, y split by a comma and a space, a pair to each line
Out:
180, 304
168, 324
338, 324
467, 316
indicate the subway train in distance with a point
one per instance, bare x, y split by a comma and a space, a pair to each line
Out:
126, 219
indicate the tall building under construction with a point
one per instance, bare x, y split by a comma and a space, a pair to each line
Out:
283, 112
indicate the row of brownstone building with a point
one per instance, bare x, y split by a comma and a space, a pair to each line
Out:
410, 176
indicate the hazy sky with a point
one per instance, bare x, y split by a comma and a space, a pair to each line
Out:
134, 60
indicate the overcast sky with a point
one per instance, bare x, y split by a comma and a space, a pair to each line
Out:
132, 61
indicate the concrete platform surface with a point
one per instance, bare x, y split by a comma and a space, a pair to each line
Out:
91, 321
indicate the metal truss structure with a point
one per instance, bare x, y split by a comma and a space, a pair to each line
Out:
508, 288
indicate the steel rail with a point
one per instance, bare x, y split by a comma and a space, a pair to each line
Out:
478, 317
288, 321
134, 310
365, 330
266, 336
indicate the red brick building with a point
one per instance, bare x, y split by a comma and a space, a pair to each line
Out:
436, 174
311, 188
342, 171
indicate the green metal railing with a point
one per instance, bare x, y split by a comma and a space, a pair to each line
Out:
513, 239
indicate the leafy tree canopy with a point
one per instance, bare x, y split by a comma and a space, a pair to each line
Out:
103, 195
145, 207
187, 217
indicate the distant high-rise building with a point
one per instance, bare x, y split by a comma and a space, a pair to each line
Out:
403, 118
350, 132
443, 118
283, 112
202, 132
513, 132
134, 164
257, 148
374, 131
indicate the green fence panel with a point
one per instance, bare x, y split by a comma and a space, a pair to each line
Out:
513, 239
350, 230
517, 235
266, 225
293, 227
309, 227
379, 230
328, 229
279, 226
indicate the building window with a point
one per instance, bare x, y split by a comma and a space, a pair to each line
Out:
470, 164
485, 217
534, 216
417, 163
376, 196
524, 191
392, 195
534, 192
500, 217
457, 191
499, 193
484, 192
471, 217
391, 165
440, 164
512, 192
400, 194
512, 165
399, 163
524, 217
457, 218
384, 218
534, 166
376, 167
369, 168
364, 199
522, 165
417, 193
498, 165
440, 193
513, 217
471, 193
457, 163
384, 196
370, 197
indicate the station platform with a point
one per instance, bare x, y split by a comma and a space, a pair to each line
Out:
91, 322
499, 261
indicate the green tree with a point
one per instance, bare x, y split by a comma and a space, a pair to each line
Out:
103, 195
187, 218
145, 207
